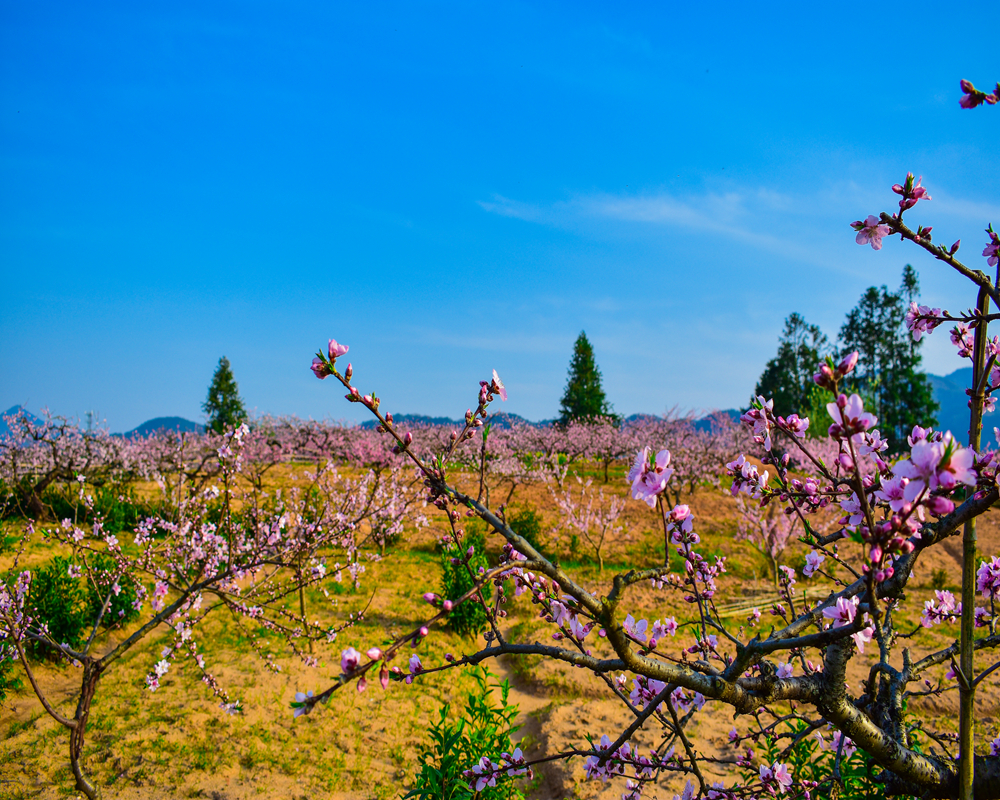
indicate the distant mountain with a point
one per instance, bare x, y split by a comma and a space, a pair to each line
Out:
165, 424
4, 429
949, 391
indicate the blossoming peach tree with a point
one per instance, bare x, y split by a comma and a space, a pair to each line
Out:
789, 682
227, 548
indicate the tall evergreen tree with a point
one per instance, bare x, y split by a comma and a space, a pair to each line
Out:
224, 406
788, 376
888, 370
584, 396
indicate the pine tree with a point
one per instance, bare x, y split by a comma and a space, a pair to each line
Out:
888, 370
224, 405
584, 396
788, 376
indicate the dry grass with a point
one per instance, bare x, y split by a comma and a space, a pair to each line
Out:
176, 743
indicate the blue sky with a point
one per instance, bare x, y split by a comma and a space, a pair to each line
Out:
450, 188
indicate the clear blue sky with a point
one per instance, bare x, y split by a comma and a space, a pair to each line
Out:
450, 188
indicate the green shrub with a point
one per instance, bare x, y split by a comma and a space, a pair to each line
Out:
527, 524
939, 579
60, 602
468, 618
101, 583
484, 729
806, 760
10, 680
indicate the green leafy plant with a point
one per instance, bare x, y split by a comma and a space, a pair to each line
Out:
60, 602
468, 618
527, 523
456, 745
101, 584
9, 678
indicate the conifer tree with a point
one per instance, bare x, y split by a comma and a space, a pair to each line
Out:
224, 406
787, 378
889, 367
584, 396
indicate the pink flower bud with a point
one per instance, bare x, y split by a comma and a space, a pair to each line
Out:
842, 401
939, 506
845, 460
362, 684
349, 372
383, 677
847, 365
449, 657
407, 438
374, 653
423, 630
430, 597
876, 554
447, 605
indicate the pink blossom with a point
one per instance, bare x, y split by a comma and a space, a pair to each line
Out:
849, 416
852, 505
992, 253
988, 578
336, 350
497, 386
892, 492
862, 637
302, 704
843, 613
911, 191
933, 465
648, 478
320, 369
871, 231
349, 660
813, 560
917, 321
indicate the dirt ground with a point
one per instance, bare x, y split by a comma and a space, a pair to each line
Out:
176, 743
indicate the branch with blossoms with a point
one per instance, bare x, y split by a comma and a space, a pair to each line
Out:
888, 514
205, 560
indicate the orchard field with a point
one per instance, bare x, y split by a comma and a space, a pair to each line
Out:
175, 740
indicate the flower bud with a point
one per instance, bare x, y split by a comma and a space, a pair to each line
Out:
362, 684
447, 605
847, 365
423, 630
939, 506
349, 372
876, 554
408, 438
374, 653
429, 597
